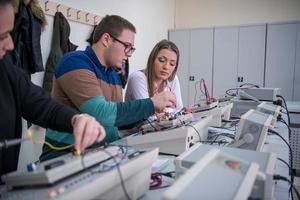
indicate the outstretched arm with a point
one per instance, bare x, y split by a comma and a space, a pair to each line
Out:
36, 106
124, 113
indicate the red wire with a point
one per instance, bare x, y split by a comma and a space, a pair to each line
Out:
206, 91
209, 98
156, 180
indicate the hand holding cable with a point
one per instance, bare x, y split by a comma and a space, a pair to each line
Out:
163, 100
86, 131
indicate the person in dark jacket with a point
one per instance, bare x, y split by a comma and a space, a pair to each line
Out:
21, 98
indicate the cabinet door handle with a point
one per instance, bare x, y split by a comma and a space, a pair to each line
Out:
192, 78
242, 79
239, 79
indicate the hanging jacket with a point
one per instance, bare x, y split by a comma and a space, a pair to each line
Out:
26, 36
60, 45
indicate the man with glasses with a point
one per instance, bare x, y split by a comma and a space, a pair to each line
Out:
88, 81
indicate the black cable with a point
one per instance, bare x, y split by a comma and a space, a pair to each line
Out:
282, 111
181, 122
160, 187
287, 113
99, 149
290, 149
168, 174
285, 163
290, 169
122, 149
250, 84
234, 120
215, 139
200, 140
279, 177
150, 123
117, 163
236, 89
120, 174
285, 105
216, 136
231, 136
217, 142
231, 128
291, 156
283, 121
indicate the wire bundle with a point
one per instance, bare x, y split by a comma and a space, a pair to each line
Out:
208, 97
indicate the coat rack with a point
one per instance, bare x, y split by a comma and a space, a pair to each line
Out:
73, 14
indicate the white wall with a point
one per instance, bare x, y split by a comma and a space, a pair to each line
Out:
209, 13
152, 20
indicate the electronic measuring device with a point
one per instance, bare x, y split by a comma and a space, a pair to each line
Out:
271, 109
252, 130
215, 175
53, 170
125, 173
263, 189
172, 140
261, 94
218, 113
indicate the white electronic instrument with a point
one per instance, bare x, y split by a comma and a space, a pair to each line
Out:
172, 141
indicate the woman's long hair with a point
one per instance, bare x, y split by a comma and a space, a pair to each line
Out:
149, 71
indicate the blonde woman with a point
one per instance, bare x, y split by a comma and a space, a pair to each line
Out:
159, 75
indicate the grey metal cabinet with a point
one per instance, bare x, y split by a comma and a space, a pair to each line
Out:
296, 94
281, 57
201, 62
182, 39
251, 54
195, 63
239, 56
225, 59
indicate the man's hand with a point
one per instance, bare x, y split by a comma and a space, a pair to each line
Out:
163, 100
86, 131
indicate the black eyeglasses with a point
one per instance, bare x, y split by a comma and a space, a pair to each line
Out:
128, 47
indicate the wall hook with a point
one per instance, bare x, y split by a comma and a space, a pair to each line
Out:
68, 12
95, 23
78, 14
57, 8
86, 17
46, 6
